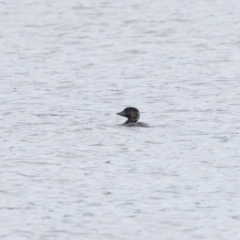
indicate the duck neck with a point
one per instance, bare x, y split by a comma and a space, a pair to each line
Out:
128, 121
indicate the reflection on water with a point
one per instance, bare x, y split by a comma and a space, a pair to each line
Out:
69, 170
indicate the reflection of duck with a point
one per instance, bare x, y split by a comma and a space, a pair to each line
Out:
132, 114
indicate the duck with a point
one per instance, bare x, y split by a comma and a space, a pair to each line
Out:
133, 115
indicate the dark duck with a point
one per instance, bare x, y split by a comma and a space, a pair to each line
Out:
133, 115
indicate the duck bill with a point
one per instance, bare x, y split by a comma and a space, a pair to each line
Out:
121, 114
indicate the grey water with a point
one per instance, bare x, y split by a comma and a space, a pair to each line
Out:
68, 170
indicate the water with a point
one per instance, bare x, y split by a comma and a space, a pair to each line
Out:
68, 171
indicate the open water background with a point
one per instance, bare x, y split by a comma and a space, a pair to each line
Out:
68, 171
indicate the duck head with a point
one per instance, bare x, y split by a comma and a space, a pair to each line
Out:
131, 113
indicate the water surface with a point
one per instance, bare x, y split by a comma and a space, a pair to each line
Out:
68, 171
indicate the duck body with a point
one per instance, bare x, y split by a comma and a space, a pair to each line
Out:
133, 115
137, 124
